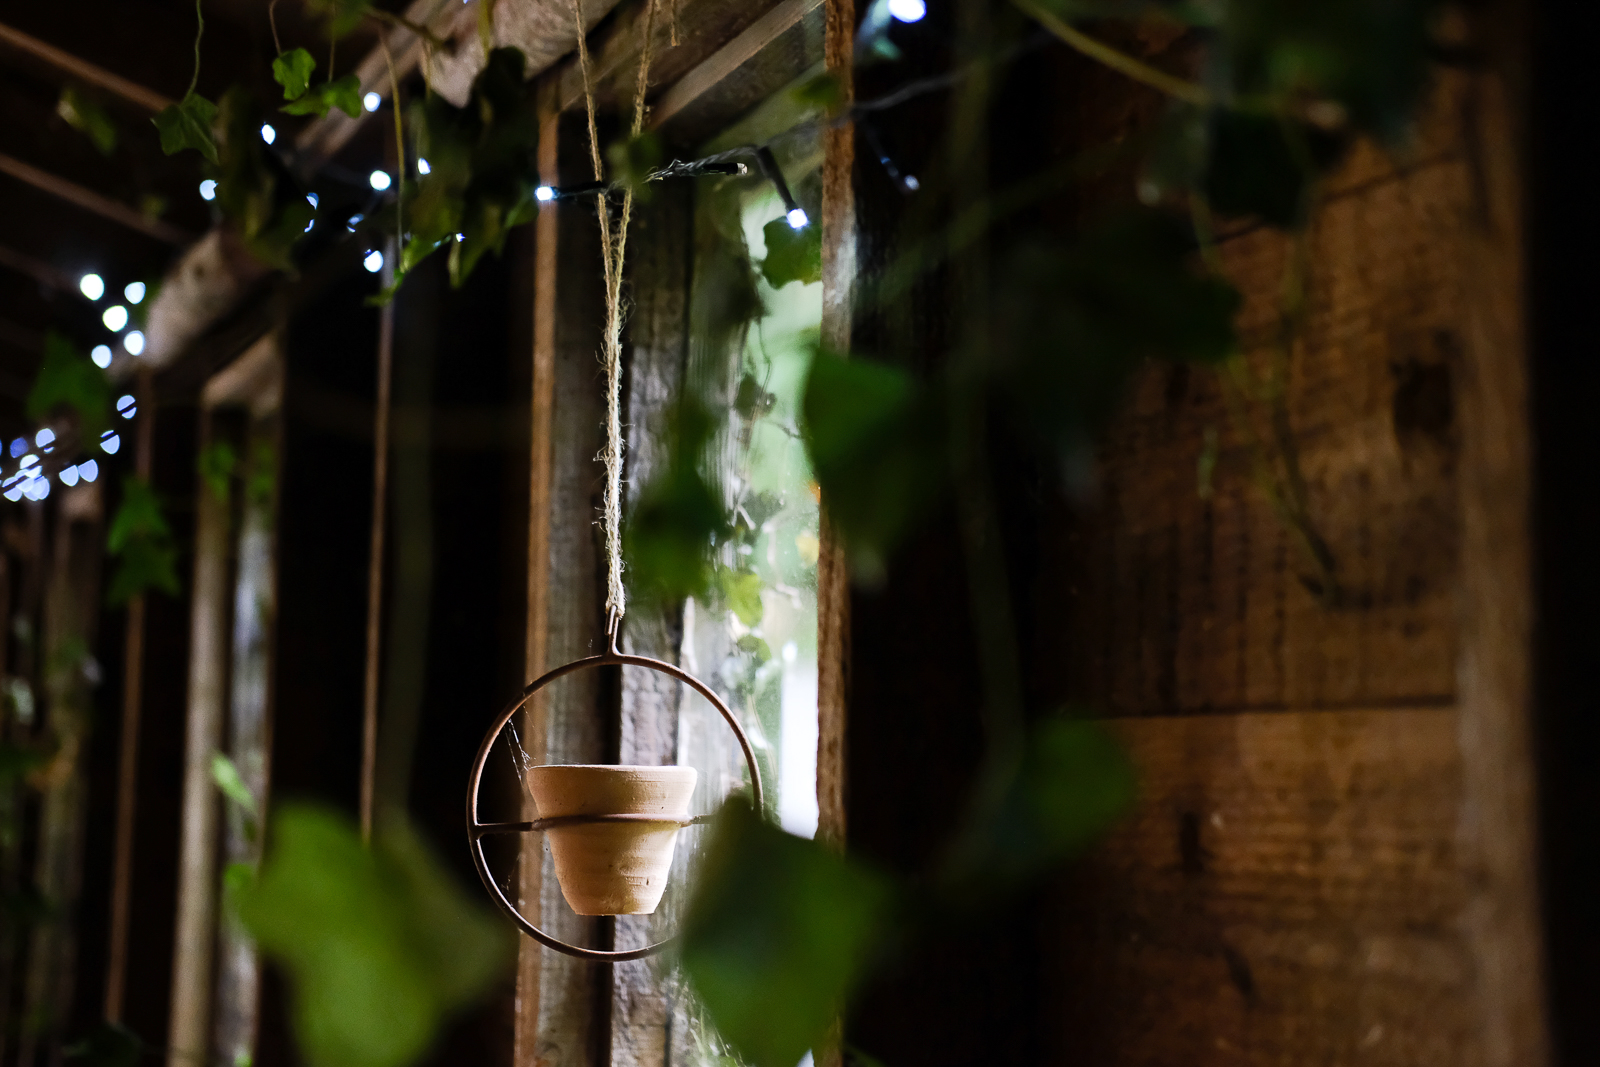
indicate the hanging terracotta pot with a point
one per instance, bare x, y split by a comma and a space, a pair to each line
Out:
613, 868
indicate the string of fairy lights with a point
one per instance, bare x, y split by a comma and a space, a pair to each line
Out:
29, 465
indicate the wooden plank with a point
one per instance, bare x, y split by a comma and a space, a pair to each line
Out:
730, 57
661, 244
83, 70
91, 201
188, 1031
838, 292
1497, 591
1192, 604
530, 863
1286, 891
573, 994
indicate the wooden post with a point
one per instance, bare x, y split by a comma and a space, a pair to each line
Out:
194, 940
128, 756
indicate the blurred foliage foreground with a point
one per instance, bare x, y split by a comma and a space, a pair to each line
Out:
379, 944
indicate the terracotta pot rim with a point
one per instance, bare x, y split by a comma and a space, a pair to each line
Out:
668, 768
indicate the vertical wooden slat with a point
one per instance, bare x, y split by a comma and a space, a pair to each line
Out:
838, 281
568, 726
70, 613
128, 756
530, 865
1497, 611
661, 243
249, 727
194, 936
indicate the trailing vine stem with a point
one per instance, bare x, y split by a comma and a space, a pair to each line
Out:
200, 31
416, 29
272, 20
1117, 60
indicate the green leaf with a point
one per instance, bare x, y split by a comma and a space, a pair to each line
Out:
876, 445
107, 1045
228, 779
1259, 165
1071, 784
216, 464
292, 70
379, 944
742, 591
342, 93
67, 379
83, 114
669, 533
792, 255
633, 160
778, 933
188, 124
16, 761
342, 16
142, 540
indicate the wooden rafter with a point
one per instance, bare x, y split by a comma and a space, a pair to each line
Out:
92, 201
36, 269
83, 70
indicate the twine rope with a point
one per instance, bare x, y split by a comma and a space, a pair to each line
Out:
613, 252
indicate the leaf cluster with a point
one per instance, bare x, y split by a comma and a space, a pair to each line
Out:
84, 114
483, 169
141, 540
254, 189
67, 379
293, 70
379, 943
679, 517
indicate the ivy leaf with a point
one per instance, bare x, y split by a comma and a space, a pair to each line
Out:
633, 160
778, 933
876, 445
142, 540
1073, 781
215, 464
292, 70
188, 124
67, 379
254, 189
678, 518
342, 16
1260, 165
792, 255
379, 944
228, 779
742, 591
342, 93
83, 114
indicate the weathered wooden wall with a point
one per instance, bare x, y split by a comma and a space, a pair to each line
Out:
1296, 884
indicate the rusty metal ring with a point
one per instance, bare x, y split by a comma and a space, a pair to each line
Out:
477, 831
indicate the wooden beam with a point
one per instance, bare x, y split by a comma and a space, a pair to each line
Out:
730, 57
83, 70
92, 201
37, 269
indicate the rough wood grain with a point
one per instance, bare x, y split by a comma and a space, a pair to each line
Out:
1287, 891
1188, 604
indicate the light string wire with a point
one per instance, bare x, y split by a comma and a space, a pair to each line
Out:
613, 253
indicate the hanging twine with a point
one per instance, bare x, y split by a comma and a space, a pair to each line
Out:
613, 250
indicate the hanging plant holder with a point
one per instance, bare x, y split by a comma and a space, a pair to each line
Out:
612, 829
